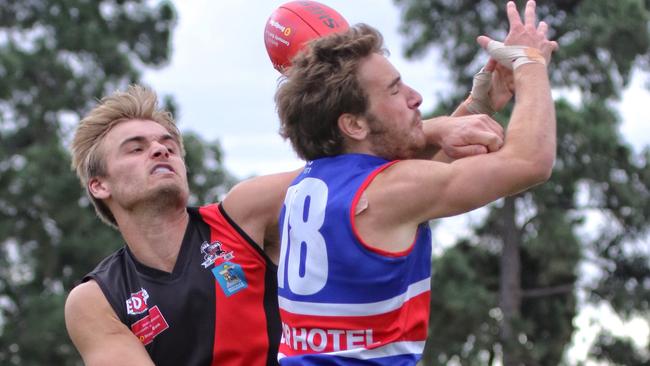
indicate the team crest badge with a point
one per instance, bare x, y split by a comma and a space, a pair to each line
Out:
230, 277
212, 252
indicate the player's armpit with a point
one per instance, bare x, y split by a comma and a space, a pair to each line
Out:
96, 331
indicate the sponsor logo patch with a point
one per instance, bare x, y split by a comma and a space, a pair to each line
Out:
137, 303
147, 328
230, 277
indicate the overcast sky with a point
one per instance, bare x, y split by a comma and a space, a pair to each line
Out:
223, 83
223, 80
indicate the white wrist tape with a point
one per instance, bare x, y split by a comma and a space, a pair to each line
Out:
514, 56
479, 101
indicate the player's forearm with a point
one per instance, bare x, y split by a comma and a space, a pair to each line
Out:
531, 134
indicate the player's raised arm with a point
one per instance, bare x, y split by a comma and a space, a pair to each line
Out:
525, 159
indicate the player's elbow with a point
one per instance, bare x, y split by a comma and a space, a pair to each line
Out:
539, 170
542, 174
545, 163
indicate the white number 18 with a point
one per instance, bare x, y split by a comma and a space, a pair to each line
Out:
304, 215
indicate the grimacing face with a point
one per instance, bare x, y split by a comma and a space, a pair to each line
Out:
393, 114
143, 166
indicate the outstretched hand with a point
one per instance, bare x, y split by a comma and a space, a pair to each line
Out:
527, 33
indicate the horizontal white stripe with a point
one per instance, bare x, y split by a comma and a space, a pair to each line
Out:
391, 349
364, 309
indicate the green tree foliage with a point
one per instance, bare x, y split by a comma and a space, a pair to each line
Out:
509, 292
617, 351
600, 40
57, 57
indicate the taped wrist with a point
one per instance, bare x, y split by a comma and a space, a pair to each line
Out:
479, 101
514, 56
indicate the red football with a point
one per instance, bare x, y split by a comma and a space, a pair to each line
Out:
293, 24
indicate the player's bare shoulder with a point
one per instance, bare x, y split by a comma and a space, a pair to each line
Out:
86, 311
96, 331
85, 303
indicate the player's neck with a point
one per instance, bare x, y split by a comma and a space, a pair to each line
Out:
155, 238
358, 147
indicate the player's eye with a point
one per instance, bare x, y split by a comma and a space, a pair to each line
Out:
395, 89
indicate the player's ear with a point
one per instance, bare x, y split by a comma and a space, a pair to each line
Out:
354, 127
98, 188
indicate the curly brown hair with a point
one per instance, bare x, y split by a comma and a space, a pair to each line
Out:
320, 86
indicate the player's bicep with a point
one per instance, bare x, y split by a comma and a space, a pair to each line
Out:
476, 181
255, 204
414, 191
96, 331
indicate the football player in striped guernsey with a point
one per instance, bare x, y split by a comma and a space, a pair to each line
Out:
354, 269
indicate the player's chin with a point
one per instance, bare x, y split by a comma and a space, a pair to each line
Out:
417, 147
419, 140
411, 151
170, 190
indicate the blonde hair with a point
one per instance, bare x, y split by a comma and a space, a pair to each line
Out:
136, 102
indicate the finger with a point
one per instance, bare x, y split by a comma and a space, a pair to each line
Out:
495, 145
490, 140
542, 28
483, 41
491, 65
548, 48
459, 152
513, 14
529, 14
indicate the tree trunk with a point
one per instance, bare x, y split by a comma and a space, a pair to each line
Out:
510, 284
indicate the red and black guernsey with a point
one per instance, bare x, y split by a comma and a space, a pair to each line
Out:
218, 307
